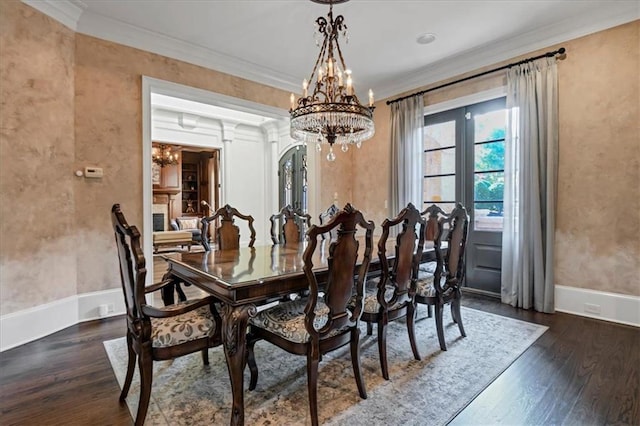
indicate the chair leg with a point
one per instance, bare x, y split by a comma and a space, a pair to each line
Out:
429, 311
382, 348
411, 319
205, 356
181, 296
146, 378
131, 365
369, 329
313, 359
355, 360
455, 307
439, 326
251, 362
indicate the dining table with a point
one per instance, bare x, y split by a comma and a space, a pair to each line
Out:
246, 278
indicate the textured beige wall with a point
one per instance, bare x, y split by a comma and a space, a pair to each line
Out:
37, 211
598, 228
598, 213
70, 101
108, 114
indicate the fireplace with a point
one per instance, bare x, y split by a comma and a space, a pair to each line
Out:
158, 222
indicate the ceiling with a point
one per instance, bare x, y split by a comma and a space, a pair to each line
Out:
272, 41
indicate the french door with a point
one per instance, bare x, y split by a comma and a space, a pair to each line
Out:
464, 162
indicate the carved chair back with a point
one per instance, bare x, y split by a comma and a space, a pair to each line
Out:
408, 252
450, 264
132, 265
342, 259
294, 225
325, 217
227, 234
432, 214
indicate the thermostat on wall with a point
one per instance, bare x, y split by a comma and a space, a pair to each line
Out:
93, 172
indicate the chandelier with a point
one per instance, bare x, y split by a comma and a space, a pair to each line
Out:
163, 155
331, 112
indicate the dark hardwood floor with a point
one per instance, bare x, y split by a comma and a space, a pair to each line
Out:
580, 372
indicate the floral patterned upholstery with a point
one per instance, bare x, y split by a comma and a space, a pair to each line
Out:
371, 304
425, 287
183, 328
287, 320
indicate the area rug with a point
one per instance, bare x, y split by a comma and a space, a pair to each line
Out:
427, 392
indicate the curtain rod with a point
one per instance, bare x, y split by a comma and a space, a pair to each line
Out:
560, 52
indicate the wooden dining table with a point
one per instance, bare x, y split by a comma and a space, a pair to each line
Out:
246, 278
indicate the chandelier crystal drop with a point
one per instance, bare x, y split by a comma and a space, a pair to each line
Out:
331, 112
163, 155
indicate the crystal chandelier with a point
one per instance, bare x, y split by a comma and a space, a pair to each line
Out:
163, 155
331, 113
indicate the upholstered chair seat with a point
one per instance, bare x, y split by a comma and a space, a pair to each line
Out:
371, 304
424, 285
192, 325
287, 320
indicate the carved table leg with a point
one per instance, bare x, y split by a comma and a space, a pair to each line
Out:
167, 291
234, 336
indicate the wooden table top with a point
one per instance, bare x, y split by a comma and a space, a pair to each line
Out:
258, 272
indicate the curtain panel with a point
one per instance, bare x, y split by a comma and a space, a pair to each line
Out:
531, 164
407, 134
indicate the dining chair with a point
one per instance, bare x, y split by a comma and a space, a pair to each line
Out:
443, 286
293, 225
319, 324
432, 213
391, 296
157, 333
227, 234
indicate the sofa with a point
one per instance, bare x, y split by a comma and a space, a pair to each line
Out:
191, 224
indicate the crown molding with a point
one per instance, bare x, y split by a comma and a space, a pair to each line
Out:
129, 35
541, 38
64, 11
73, 14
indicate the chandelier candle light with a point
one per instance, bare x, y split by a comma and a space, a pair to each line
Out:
331, 113
163, 155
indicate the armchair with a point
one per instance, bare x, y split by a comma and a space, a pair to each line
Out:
157, 333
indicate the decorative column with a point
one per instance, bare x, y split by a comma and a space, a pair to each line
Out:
272, 135
228, 134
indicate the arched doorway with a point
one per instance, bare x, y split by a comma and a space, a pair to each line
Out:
292, 178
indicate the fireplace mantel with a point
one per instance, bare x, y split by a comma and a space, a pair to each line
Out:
166, 191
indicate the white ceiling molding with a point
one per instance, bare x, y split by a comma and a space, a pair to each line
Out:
577, 26
119, 32
75, 15
64, 11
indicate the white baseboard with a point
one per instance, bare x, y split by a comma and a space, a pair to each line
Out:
620, 308
34, 323
30, 324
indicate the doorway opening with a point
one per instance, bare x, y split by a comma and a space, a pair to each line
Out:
244, 141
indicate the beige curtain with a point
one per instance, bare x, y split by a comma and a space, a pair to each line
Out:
407, 134
531, 164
